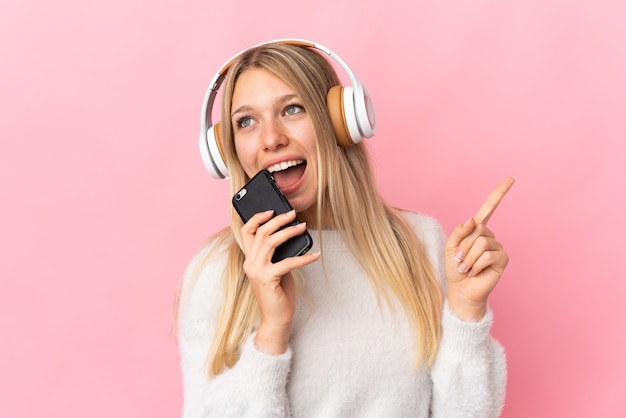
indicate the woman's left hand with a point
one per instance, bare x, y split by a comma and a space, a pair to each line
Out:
475, 260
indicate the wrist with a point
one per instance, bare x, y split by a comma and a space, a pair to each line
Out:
272, 341
466, 310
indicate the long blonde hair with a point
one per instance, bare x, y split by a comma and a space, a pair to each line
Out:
385, 246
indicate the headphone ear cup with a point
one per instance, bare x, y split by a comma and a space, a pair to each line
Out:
340, 101
334, 102
364, 111
213, 153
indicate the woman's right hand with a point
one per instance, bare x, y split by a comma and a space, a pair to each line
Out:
272, 283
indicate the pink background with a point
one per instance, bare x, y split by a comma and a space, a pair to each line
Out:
104, 197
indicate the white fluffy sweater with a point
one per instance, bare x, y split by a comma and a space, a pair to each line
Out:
348, 357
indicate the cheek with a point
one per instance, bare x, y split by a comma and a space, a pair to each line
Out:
246, 156
311, 149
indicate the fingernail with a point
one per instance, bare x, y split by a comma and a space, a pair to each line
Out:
462, 268
466, 224
458, 257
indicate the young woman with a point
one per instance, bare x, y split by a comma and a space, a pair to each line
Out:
383, 317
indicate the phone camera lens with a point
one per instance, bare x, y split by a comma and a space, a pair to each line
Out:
241, 194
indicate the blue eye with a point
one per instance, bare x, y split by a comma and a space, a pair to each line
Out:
243, 122
293, 109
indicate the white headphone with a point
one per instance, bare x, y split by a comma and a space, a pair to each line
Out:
351, 111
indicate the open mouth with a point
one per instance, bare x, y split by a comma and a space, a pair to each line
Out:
287, 173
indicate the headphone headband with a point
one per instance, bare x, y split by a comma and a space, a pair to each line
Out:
353, 115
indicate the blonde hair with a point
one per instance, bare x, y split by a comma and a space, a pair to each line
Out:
385, 246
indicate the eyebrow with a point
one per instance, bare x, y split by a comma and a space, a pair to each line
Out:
280, 100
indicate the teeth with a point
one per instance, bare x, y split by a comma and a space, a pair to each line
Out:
283, 166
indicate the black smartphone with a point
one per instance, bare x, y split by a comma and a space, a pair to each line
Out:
260, 194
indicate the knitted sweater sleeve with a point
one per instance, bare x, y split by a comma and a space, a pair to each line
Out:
254, 387
469, 373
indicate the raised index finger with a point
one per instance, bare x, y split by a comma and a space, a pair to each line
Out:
493, 200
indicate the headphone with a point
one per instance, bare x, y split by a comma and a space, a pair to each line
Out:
351, 111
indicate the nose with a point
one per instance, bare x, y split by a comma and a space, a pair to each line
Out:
274, 135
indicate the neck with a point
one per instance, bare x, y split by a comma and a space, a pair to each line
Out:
310, 217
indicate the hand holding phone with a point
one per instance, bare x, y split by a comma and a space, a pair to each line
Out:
261, 194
